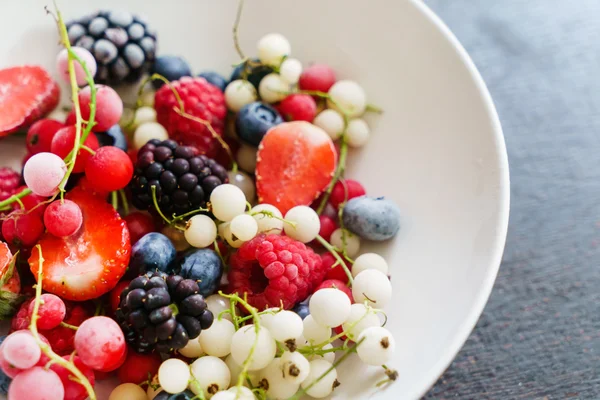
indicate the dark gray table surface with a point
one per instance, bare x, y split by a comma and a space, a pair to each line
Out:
539, 336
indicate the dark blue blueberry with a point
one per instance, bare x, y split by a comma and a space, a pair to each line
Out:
372, 218
204, 266
4, 379
254, 120
215, 79
185, 395
254, 74
154, 251
302, 310
171, 67
113, 137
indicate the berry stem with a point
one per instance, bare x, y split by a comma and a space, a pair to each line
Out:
46, 349
303, 391
341, 262
256, 321
236, 25
214, 134
158, 77
339, 170
14, 198
124, 201
84, 147
114, 200
65, 325
374, 109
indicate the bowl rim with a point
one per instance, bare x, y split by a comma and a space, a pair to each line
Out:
484, 291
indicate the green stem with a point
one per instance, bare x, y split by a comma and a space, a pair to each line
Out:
114, 200
339, 170
84, 147
341, 262
124, 201
15, 197
236, 25
65, 325
46, 349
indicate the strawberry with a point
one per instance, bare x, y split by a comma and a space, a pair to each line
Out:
294, 164
10, 284
89, 263
28, 93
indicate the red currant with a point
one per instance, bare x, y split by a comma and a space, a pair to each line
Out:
51, 313
336, 272
39, 136
100, 344
114, 296
138, 367
109, 107
71, 118
63, 218
73, 389
109, 169
63, 143
32, 202
319, 77
328, 225
353, 189
22, 229
139, 224
298, 107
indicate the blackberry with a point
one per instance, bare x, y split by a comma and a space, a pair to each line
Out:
162, 312
122, 44
183, 180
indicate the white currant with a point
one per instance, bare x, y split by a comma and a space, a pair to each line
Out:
331, 121
357, 133
290, 70
369, 261
373, 286
273, 48
264, 349
227, 201
295, 367
305, 224
376, 347
361, 317
173, 375
272, 88
329, 307
269, 224
349, 96
324, 387
210, 374
200, 231
344, 239
239, 93
216, 340
244, 227
313, 332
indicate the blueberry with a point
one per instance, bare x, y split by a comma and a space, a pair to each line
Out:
302, 310
171, 67
214, 79
185, 395
154, 251
112, 137
372, 218
204, 266
4, 379
254, 120
254, 74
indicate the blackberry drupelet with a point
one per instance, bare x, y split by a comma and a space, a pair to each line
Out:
122, 44
183, 180
162, 312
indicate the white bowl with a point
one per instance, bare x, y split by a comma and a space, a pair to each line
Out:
438, 149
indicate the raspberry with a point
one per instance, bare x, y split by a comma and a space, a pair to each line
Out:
9, 182
200, 99
275, 270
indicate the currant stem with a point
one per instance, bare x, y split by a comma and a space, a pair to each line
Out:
65, 325
341, 262
124, 201
34, 330
14, 198
236, 25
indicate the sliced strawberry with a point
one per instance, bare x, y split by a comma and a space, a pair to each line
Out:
89, 263
294, 164
8, 272
28, 93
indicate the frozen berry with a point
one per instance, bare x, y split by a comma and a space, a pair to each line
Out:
273, 48
215, 79
138, 367
337, 272
43, 172
62, 65
290, 70
203, 266
51, 312
63, 218
273, 88
298, 107
317, 77
349, 96
73, 389
254, 120
357, 133
149, 131
372, 218
9, 182
239, 93
22, 229
328, 225
40, 134
109, 107
100, 344
337, 284
64, 141
152, 252
331, 122
109, 169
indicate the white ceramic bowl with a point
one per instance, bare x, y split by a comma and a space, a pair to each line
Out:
438, 150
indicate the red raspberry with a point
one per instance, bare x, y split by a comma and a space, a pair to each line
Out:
274, 270
298, 107
336, 272
319, 77
9, 182
200, 99
338, 194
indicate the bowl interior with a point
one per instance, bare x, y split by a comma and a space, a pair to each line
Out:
437, 150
